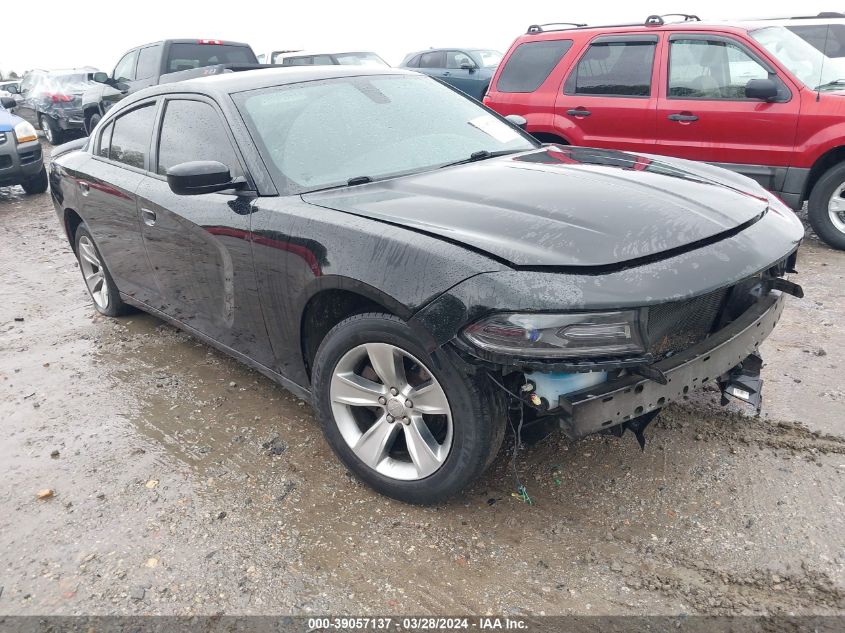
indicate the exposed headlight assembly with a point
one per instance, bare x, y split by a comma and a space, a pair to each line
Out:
24, 132
584, 334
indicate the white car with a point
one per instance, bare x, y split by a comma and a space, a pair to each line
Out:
322, 58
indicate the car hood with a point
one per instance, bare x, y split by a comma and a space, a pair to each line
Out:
8, 121
564, 206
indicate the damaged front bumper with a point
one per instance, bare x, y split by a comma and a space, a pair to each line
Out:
619, 401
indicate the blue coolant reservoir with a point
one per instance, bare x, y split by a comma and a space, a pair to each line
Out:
550, 386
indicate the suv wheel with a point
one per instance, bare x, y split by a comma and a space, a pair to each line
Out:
826, 209
37, 183
51, 130
101, 286
410, 424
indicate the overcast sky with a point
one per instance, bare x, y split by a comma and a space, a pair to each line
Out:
96, 32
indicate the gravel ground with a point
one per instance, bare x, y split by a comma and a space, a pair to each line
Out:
185, 483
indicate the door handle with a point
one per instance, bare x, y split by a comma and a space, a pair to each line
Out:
579, 112
149, 217
84, 187
446, 73
683, 117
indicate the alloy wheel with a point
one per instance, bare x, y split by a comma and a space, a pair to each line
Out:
391, 411
48, 130
836, 208
93, 272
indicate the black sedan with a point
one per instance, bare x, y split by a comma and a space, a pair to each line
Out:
418, 267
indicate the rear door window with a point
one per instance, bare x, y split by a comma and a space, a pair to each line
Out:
192, 130
614, 68
105, 141
130, 142
434, 59
531, 64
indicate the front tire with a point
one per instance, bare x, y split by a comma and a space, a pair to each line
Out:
51, 130
98, 280
826, 209
37, 183
410, 424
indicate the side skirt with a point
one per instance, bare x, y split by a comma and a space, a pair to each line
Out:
296, 389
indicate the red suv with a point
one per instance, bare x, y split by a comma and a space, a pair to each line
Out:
752, 97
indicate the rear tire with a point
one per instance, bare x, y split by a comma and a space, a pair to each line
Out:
462, 441
98, 280
52, 132
36, 183
826, 209
92, 122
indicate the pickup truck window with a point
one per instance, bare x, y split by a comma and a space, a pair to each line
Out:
148, 62
184, 56
125, 69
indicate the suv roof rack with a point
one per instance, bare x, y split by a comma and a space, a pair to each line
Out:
658, 20
540, 28
652, 20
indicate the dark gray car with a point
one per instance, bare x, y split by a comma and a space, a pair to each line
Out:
52, 101
467, 69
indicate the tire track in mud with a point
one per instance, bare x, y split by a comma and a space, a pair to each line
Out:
734, 426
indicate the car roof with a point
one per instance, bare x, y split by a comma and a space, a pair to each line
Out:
232, 82
804, 21
321, 52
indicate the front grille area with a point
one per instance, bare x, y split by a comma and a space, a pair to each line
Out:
30, 157
2, 137
673, 327
5, 162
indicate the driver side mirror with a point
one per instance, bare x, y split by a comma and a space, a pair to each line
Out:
13, 89
8, 103
100, 77
468, 66
763, 89
201, 176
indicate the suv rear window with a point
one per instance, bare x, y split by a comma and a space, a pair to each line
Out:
620, 69
187, 56
530, 65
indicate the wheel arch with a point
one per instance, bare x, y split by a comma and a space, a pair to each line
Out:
334, 298
71, 221
548, 137
824, 162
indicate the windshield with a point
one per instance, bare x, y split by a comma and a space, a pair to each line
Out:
360, 59
812, 67
489, 59
322, 134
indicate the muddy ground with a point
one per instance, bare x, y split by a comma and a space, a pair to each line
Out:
185, 483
